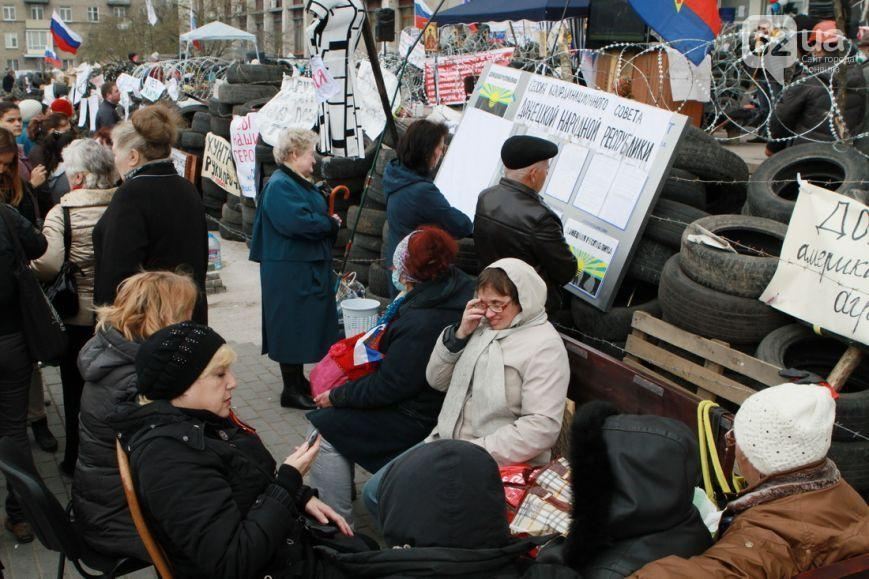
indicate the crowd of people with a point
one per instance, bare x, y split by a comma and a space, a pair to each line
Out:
474, 377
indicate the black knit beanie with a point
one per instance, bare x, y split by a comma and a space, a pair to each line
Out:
171, 360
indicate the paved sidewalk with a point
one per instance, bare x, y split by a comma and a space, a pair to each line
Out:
236, 315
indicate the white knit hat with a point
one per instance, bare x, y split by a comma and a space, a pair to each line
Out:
785, 427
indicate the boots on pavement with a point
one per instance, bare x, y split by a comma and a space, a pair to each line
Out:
296, 392
44, 438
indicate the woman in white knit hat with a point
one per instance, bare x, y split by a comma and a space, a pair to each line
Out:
797, 512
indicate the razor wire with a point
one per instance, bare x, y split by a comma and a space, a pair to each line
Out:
196, 76
741, 99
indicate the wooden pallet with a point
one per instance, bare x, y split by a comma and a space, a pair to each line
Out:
645, 353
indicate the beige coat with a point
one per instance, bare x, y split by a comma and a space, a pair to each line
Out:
86, 206
520, 423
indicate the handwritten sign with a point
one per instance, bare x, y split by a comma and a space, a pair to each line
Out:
445, 77
294, 107
152, 89
823, 275
218, 165
324, 82
243, 133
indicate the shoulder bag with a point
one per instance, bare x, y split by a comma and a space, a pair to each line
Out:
44, 332
63, 292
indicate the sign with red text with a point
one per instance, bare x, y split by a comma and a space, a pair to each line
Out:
243, 135
823, 272
445, 76
324, 82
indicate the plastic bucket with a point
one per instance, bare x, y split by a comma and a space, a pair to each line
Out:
360, 315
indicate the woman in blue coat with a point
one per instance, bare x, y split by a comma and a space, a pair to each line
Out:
292, 240
412, 198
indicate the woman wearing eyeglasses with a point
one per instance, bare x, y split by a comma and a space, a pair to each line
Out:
504, 369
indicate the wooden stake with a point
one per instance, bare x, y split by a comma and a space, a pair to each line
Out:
371, 48
845, 367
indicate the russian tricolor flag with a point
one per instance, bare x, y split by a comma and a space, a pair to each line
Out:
689, 26
421, 14
51, 58
64, 38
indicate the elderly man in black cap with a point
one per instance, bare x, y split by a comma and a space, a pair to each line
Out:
512, 220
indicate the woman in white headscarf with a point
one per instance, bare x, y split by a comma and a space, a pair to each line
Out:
504, 369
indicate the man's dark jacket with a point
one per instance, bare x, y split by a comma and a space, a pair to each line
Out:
804, 109
107, 115
156, 221
513, 221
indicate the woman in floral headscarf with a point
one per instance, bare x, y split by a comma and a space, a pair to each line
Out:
372, 420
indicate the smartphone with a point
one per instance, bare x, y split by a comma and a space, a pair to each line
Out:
312, 438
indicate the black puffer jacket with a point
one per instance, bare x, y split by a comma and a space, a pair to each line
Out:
442, 513
804, 109
34, 245
633, 492
107, 364
512, 221
209, 489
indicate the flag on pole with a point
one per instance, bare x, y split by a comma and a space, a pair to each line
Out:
196, 44
52, 59
64, 37
689, 26
421, 14
152, 15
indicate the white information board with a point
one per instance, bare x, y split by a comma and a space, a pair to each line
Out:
613, 155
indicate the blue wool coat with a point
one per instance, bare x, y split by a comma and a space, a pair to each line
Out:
413, 200
292, 241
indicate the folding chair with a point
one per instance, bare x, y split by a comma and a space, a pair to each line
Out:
158, 555
52, 524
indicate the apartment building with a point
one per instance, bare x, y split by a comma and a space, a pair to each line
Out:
280, 24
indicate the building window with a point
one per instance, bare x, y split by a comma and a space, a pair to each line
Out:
66, 13
93, 13
68, 63
298, 33
37, 13
37, 40
11, 40
119, 11
12, 63
9, 13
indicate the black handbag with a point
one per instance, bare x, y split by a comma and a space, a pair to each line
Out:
44, 332
63, 291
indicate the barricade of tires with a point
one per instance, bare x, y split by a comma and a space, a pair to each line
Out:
797, 346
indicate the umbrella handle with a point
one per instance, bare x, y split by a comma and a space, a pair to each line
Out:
335, 191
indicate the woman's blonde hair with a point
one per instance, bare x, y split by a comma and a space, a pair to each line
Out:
147, 302
222, 359
151, 131
293, 141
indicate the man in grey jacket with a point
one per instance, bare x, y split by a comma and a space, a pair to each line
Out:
107, 114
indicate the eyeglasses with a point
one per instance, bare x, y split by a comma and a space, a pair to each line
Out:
496, 308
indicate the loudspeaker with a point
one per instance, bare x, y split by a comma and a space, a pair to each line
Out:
384, 25
614, 21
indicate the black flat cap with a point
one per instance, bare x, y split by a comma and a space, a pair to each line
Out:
522, 151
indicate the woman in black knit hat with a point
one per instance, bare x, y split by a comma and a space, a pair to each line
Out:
208, 485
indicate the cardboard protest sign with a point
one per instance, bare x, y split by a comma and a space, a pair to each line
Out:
823, 272
243, 134
295, 106
217, 164
152, 89
445, 76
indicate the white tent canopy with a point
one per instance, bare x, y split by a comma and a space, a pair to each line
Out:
218, 31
